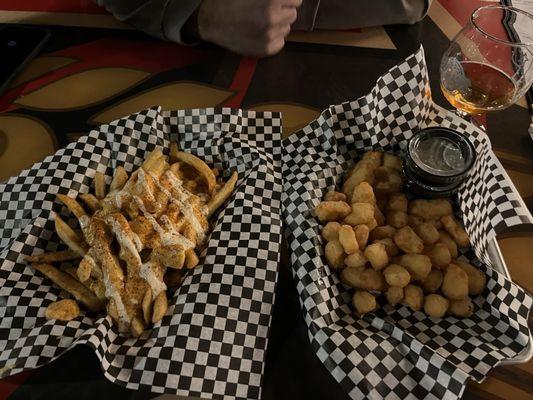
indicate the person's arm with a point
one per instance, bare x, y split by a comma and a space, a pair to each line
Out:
349, 14
163, 19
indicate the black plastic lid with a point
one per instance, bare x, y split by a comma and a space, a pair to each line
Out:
427, 189
440, 155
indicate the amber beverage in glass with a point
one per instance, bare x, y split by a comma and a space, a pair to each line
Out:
485, 69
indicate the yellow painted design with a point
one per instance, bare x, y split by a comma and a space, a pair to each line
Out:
522, 181
503, 155
41, 66
375, 37
23, 141
82, 89
518, 253
171, 96
295, 116
444, 20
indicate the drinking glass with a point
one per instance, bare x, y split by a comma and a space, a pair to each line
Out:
489, 64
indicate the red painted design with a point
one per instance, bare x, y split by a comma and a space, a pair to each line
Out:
10, 384
66, 6
241, 81
149, 56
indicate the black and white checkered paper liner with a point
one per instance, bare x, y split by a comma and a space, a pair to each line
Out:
211, 342
399, 354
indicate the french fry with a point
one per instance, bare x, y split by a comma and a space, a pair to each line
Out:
158, 167
69, 237
174, 149
152, 158
99, 185
111, 269
54, 256
191, 259
84, 270
73, 206
147, 305
160, 307
96, 271
119, 179
98, 288
200, 166
222, 195
63, 310
169, 256
94, 285
112, 309
71, 285
137, 327
90, 201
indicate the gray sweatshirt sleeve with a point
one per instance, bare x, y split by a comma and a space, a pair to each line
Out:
163, 19
349, 14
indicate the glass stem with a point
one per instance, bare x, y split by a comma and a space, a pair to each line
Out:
470, 118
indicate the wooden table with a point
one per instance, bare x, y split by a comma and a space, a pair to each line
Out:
103, 70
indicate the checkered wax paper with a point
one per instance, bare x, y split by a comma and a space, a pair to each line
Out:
397, 353
212, 340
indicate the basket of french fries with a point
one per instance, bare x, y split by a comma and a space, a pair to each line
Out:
400, 294
133, 244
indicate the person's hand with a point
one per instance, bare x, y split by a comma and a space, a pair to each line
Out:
249, 27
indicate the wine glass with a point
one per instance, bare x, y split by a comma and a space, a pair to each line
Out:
489, 64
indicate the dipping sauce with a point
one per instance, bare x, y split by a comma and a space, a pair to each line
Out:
437, 162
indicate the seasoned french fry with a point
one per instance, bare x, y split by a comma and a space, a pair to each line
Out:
174, 149
200, 166
119, 179
112, 309
98, 288
69, 237
169, 256
222, 195
54, 256
158, 167
71, 285
152, 158
90, 201
84, 270
160, 307
62, 310
137, 327
110, 266
73, 206
191, 259
94, 285
99, 185
147, 305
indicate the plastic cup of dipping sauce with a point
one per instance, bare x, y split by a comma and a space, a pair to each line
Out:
438, 161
